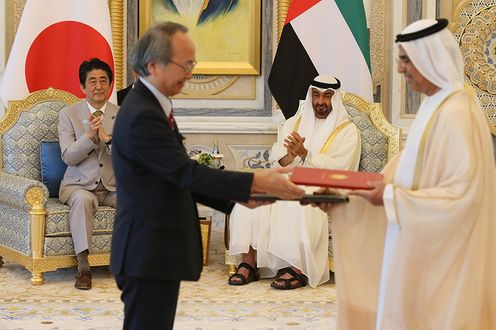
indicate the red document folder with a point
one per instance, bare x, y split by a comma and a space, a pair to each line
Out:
333, 178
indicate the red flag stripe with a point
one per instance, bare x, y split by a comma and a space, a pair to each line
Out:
298, 7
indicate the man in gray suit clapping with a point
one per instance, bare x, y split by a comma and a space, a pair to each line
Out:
85, 143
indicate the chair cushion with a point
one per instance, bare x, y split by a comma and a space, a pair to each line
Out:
52, 166
57, 219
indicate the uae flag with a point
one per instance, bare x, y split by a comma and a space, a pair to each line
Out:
54, 37
321, 37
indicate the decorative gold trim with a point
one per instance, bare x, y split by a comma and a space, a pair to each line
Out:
330, 262
15, 108
374, 111
251, 67
205, 228
419, 163
297, 123
49, 263
282, 12
35, 198
332, 137
459, 6
116, 8
458, 26
377, 41
229, 261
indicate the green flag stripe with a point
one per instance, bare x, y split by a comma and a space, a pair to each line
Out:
354, 15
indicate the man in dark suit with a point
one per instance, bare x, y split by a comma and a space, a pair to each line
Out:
156, 241
122, 93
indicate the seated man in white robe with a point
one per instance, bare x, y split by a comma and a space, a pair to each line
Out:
418, 251
290, 239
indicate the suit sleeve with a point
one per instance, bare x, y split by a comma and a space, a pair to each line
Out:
225, 206
73, 150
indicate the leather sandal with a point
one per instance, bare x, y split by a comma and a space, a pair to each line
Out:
252, 275
294, 282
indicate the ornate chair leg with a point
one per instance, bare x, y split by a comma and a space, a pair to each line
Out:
228, 260
37, 278
232, 270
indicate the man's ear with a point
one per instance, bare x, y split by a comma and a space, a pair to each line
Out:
152, 67
82, 89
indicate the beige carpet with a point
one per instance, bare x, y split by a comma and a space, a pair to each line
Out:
207, 304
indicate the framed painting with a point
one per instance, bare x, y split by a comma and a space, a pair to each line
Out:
226, 32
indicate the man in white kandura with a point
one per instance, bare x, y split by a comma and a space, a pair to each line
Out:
418, 251
291, 239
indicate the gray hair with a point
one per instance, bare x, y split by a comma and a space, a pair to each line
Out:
154, 45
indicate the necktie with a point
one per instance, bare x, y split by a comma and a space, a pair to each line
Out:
172, 122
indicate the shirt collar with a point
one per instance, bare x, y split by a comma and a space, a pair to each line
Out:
164, 101
102, 109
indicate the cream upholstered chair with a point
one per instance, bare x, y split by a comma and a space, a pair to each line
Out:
380, 142
34, 227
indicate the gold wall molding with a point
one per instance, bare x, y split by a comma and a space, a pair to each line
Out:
282, 12
116, 8
377, 42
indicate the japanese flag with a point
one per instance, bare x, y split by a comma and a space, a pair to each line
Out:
54, 37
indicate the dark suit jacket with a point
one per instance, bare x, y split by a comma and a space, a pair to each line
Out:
156, 231
122, 93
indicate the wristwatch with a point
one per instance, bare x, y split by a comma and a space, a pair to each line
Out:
110, 140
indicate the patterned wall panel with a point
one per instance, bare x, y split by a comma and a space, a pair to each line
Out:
251, 157
474, 26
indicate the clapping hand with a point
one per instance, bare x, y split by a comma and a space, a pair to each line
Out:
95, 124
294, 144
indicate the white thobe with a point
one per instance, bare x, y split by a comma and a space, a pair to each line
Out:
286, 233
435, 237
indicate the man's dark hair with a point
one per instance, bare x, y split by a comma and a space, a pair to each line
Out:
154, 45
93, 64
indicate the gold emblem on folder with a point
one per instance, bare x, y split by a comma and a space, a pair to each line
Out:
338, 176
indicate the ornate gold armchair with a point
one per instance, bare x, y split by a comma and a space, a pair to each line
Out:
34, 228
380, 142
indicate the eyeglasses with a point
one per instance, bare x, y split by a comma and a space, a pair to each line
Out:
187, 68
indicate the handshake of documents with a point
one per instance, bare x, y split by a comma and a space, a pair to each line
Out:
337, 179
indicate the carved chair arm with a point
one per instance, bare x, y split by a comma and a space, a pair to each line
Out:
14, 191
